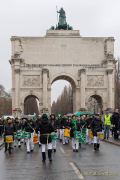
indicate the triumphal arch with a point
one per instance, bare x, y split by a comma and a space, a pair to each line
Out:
86, 62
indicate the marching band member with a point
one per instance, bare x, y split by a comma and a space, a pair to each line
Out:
96, 126
53, 122
18, 128
9, 130
45, 128
73, 133
29, 129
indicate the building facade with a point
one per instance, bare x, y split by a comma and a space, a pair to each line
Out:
86, 62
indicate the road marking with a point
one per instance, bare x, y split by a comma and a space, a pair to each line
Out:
62, 150
76, 170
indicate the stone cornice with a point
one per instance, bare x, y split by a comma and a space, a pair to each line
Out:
16, 60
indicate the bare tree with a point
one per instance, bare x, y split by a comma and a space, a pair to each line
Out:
64, 103
5, 102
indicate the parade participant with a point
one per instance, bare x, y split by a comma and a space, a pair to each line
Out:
45, 128
9, 130
115, 123
73, 132
66, 135
62, 127
1, 127
53, 122
89, 136
107, 125
37, 124
18, 128
67, 131
29, 129
96, 126
83, 129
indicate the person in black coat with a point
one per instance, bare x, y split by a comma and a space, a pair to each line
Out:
115, 120
18, 128
54, 125
45, 128
1, 128
9, 130
96, 126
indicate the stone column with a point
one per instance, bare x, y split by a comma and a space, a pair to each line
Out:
45, 88
76, 105
82, 87
49, 98
17, 86
110, 92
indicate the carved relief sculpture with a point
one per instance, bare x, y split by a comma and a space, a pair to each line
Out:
95, 80
31, 81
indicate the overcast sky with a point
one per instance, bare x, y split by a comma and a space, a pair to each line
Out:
34, 17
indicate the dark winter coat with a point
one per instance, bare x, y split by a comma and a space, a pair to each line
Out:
18, 126
62, 123
9, 129
96, 126
53, 122
89, 121
116, 120
28, 127
45, 128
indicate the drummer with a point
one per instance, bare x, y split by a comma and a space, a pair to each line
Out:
74, 129
96, 126
53, 122
9, 130
18, 127
29, 129
45, 128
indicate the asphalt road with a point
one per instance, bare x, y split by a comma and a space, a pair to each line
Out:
66, 165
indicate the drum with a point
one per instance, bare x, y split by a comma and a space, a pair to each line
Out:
19, 135
27, 135
90, 134
9, 139
67, 132
35, 138
54, 136
76, 134
100, 135
82, 139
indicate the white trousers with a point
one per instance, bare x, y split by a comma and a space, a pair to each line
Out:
62, 134
96, 140
66, 140
54, 143
29, 144
39, 137
75, 143
43, 146
17, 142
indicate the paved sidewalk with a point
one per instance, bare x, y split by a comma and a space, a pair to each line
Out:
112, 141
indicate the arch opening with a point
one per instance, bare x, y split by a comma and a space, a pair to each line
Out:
31, 105
95, 104
62, 95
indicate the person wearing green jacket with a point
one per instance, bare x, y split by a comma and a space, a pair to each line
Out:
73, 133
